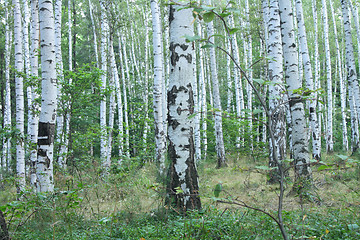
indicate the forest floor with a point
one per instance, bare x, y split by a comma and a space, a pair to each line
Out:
129, 204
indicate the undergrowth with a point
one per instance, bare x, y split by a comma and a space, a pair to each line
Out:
128, 204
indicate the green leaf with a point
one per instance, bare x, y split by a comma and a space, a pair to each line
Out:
207, 8
208, 45
259, 81
191, 38
233, 30
208, 16
256, 111
267, 168
323, 167
343, 157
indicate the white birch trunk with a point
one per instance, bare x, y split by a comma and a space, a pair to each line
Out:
94, 33
329, 127
58, 54
6, 154
299, 128
239, 97
126, 116
316, 150
317, 147
276, 96
220, 149
146, 82
34, 61
202, 95
19, 94
341, 81
181, 149
160, 136
104, 50
350, 61
112, 104
47, 119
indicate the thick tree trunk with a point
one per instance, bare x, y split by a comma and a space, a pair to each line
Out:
183, 187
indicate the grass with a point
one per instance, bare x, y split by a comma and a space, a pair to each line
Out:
126, 206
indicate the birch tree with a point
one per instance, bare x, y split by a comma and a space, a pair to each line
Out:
19, 92
350, 64
6, 154
220, 148
298, 122
329, 126
34, 62
316, 147
183, 187
276, 104
160, 136
104, 50
47, 119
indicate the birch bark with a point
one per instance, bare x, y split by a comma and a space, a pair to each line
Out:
298, 121
182, 173
19, 94
34, 61
47, 119
350, 61
220, 149
316, 150
276, 96
160, 136
329, 127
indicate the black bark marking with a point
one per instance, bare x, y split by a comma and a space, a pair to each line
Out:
46, 133
171, 14
173, 123
41, 152
191, 99
175, 57
294, 100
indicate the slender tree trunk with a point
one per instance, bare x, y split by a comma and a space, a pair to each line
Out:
220, 149
329, 127
94, 32
60, 138
34, 61
309, 81
350, 63
202, 94
182, 173
341, 82
48, 102
104, 50
7, 111
160, 136
19, 92
276, 96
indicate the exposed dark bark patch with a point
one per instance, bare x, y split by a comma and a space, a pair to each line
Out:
175, 57
191, 99
173, 122
46, 133
294, 100
42, 152
171, 14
